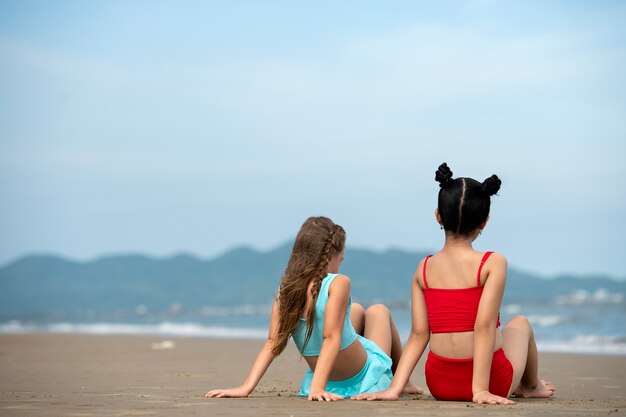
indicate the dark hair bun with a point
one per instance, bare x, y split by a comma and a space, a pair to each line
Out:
491, 185
443, 175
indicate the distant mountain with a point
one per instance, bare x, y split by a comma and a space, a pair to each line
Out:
44, 284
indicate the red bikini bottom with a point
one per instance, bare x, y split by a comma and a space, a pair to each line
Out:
450, 379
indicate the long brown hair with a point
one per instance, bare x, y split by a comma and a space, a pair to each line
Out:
317, 242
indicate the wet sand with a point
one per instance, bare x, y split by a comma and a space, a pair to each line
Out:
85, 375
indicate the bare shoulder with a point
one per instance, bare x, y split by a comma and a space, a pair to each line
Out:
340, 282
340, 288
497, 260
418, 276
420, 266
496, 268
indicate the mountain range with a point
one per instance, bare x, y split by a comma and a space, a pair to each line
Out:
44, 284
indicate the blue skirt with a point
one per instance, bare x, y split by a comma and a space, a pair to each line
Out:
375, 376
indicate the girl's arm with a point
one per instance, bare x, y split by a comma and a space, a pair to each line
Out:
485, 331
414, 348
334, 317
263, 361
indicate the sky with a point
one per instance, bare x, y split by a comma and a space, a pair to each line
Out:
167, 127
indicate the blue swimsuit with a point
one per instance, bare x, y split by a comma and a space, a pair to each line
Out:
376, 373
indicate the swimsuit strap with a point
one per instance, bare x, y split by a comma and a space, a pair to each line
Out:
480, 268
424, 271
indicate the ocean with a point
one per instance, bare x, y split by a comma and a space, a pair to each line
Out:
580, 321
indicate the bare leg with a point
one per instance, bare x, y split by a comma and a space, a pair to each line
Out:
380, 328
357, 317
396, 344
520, 348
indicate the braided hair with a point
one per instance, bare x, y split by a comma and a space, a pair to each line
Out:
317, 242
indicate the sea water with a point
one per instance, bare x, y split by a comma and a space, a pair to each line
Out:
580, 321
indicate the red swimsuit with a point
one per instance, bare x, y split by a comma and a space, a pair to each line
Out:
450, 311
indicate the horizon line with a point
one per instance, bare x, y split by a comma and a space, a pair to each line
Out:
185, 253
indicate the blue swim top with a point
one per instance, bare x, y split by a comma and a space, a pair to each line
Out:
313, 347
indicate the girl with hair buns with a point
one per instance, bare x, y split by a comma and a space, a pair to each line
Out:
456, 297
349, 351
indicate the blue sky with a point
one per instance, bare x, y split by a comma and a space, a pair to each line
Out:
168, 127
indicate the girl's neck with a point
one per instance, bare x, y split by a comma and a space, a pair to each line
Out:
457, 242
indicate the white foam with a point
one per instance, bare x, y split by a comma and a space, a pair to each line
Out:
240, 310
599, 296
164, 329
595, 344
14, 326
512, 309
545, 321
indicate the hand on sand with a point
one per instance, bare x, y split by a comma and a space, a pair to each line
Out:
544, 389
485, 397
324, 396
228, 393
385, 395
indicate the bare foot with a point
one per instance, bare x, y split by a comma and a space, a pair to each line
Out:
544, 389
411, 388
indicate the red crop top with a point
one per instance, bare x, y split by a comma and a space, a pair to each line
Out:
453, 309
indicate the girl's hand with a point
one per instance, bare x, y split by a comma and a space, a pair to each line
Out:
228, 393
324, 396
385, 395
485, 397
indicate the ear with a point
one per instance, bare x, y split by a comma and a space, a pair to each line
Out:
438, 216
483, 224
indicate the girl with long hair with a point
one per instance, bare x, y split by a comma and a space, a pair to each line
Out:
349, 350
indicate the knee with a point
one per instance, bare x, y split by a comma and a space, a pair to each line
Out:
357, 308
519, 322
377, 310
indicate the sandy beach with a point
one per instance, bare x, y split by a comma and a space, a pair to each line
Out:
84, 375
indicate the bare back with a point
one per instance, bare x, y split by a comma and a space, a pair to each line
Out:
457, 269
